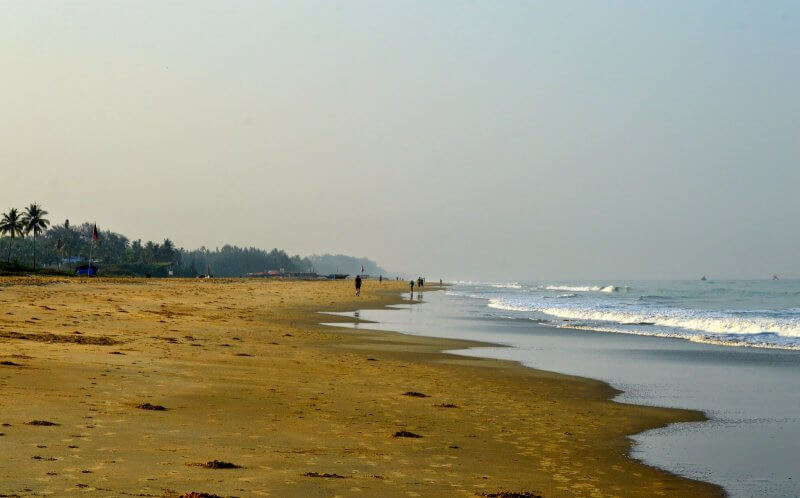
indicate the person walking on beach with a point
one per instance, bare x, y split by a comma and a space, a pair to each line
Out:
411, 283
358, 285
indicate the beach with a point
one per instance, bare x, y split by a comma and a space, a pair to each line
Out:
153, 387
749, 444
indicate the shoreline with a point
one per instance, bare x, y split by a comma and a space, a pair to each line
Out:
249, 375
457, 352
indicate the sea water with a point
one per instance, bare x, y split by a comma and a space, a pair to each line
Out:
759, 313
729, 349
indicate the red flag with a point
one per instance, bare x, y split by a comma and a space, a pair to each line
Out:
95, 237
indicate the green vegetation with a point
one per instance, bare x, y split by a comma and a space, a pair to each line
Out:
339, 263
34, 221
12, 226
29, 239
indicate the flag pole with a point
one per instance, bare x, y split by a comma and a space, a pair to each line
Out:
91, 249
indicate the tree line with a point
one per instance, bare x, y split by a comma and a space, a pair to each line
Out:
29, 239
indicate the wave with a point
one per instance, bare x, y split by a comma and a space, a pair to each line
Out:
684, 319
777, 329
763, 341
736, 315
500, 305
513, 285
583, 288
497, 285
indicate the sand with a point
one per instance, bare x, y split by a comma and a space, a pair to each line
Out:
114, 387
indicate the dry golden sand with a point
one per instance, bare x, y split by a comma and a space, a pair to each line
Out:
245, 375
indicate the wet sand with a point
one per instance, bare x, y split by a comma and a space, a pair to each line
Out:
151, 387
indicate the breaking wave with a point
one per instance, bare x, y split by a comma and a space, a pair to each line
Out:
754, 328
689, 320
583, 288
512, 285
500, 305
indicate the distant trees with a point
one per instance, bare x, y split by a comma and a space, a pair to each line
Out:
232, 261
11, 225
119, 255
74, 243
339, 263
167, 251
136, 251
34, 221
53, 245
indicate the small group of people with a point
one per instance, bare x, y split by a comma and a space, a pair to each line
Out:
420, 283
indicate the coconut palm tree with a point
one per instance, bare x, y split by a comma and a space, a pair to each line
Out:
34, 221
167, 251
12, 225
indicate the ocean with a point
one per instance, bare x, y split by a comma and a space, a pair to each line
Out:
757, 313
728, 348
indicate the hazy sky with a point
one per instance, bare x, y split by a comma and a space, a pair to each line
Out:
483, 140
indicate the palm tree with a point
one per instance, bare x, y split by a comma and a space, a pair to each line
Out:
150, 250
35, 222
13, 226
167, 250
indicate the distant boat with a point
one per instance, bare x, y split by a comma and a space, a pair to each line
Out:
775, 277
703, 278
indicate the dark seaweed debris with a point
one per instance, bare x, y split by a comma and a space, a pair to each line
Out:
324, 474
60, 338
148, 406
406, 434
511, 494
43, 423
217, 464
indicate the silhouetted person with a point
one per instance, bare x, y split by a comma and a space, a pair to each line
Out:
380, 278
411, 283
358, 285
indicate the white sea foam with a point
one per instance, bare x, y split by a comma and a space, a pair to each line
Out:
746, 313
582, 288
497, 285
513, 285
712, 323
727, 341
723, 340
698, 321
500, 305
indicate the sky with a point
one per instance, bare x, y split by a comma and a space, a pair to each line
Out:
491, 140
